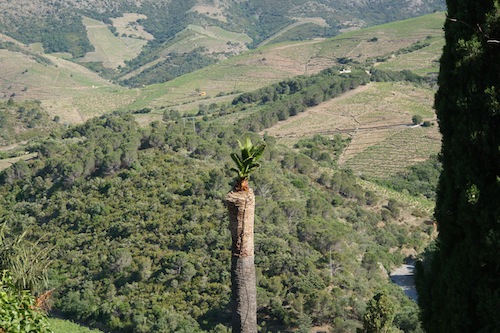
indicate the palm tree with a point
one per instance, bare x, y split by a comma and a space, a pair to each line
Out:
241, 207
246, 163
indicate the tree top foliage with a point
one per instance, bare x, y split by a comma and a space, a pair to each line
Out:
246, 162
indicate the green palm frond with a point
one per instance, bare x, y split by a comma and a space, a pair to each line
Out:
246, 162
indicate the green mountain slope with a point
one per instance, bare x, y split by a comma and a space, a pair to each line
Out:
140, 236
135, 213
75, 94
66, 89
147, 33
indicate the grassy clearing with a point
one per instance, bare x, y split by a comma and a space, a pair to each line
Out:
7, 162
66, 326
128, 25
37, 47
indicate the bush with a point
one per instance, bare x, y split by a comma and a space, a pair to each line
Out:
416, 119
18, 313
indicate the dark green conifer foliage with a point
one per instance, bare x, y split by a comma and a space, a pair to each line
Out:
460, 290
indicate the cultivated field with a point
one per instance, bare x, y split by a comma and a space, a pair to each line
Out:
391, 37
75, 93
271, 63
65, 89
111, 50
377, 118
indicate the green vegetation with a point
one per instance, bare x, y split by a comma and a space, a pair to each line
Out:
379, 315
458, 284
176, 65
289, 98
21, 121
420, 179
23, 272
66, 326
17, 312
140, 238
140, 234
322, 149
62, 32
404, 75
246, 162
416, 119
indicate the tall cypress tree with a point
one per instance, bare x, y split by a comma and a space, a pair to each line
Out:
460, 291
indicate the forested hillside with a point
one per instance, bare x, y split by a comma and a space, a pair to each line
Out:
21, 121
166, 32
140, 234
130, 210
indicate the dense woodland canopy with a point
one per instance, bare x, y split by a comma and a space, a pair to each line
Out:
140, 235
458, 285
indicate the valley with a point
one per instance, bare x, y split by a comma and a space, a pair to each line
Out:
128, 182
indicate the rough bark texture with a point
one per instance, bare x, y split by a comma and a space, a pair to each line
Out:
241, 206
244, 295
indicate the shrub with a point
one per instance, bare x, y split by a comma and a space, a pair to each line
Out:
18, 313
416, 119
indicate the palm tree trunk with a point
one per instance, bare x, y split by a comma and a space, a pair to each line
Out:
241, 206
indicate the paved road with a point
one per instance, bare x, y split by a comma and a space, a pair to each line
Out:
403, 277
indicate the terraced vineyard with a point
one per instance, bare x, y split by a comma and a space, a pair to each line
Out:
421, 203
377, 118
396, 152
